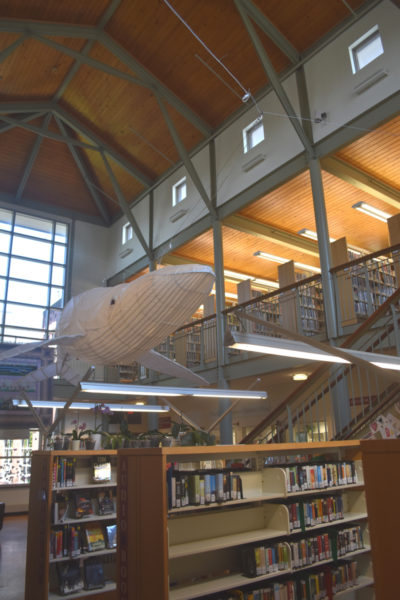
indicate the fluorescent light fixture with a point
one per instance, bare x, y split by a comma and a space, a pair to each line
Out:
293, 349
158, 390
234, 276
281, 261
89, 406
312, 235
227, 294
279, 347
270, 257
300, 377
371, 211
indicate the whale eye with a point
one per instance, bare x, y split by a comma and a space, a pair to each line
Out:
112, 301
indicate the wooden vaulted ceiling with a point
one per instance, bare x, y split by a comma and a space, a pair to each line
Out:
95, 72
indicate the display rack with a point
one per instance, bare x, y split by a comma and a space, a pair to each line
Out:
42, 561
197, 550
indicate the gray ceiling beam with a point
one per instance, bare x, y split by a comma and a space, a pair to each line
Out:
91, 62
362, 180
27, 27
109, 12
47, 134
186, 158
49, 209
272, 234
273, 77
87, 132
272, 32
25, 119
34, 28
10, 49
125, 208
101, 207
153, 82
31, 159
25, 107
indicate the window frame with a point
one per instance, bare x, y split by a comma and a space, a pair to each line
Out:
175, 188
127, 233
247, 132
362, 42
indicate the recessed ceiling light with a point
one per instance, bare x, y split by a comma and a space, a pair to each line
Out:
300, 377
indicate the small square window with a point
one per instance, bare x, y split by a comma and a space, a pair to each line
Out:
366, 49
179, 191
127, 233
253, 134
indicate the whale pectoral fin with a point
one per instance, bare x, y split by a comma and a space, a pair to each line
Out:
157, 362
23, 348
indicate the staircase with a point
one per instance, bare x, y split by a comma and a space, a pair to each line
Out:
338, 402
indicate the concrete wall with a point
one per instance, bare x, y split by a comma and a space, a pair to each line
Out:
90, 254
330, 80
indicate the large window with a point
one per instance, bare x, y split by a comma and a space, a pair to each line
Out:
33, 258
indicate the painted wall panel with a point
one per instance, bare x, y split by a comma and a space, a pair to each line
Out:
281, 144
89, 258
330, 80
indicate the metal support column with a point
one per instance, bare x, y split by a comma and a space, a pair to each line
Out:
323, 246
225, 428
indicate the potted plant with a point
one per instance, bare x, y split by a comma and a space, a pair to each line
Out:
78, 432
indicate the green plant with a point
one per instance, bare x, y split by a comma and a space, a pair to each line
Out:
79, 431
190, 436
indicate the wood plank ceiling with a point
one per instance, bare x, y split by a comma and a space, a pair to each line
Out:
93, 71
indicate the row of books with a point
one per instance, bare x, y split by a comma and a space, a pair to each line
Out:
263, 560
74, 540
325, 546
320, 476
315, 511
64, 470
73, 579
318, 585
202, 488
83, 504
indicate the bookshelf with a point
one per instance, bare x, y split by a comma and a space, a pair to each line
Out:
199, 550
58, 478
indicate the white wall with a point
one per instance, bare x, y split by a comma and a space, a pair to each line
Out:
281, 144
115, 263
89, 257
330, 79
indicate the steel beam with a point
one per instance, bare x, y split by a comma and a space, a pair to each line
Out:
362, 180
47, 134
25, 107
101, 207
271, 31
91, 62
10, 49
273, 78
272, 234
25, 119
86, 49
186, 158
125, 208
87, 132
31, 159
27, 27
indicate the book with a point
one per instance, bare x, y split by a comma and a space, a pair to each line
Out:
111, 534
105, 502
93, 574
60, 508
95, 538
69, 577
83, 505
101, 469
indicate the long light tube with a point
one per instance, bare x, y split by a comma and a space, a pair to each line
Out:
281, 261
89, 406
371, 211
158, 390
294, 349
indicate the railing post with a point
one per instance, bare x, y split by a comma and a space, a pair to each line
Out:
396, 329
370, 304
290, 423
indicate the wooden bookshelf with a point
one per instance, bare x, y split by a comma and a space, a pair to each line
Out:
41, 575
196, 550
